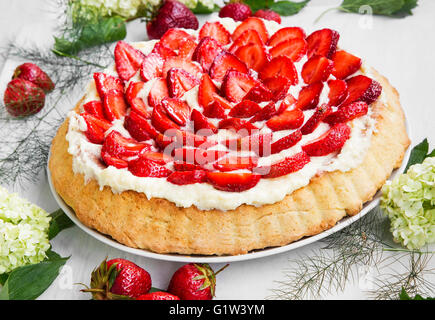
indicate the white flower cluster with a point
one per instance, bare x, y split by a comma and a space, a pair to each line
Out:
409, 202
23, 232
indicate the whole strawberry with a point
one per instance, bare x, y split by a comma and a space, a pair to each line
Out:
236, 10
172, 14
31, 72
194, 281
158, 295
118, 279
23, 98
268, 15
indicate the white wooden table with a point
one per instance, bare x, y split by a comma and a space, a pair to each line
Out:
401, 49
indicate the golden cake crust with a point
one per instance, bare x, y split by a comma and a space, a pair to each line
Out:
160, 226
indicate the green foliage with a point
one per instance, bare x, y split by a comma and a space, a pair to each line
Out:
380, 7
284, 8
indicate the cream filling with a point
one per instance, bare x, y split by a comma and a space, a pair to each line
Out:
202, 195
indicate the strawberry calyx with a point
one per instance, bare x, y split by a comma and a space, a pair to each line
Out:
208, 275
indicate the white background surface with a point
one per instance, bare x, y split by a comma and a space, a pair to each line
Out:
401, 49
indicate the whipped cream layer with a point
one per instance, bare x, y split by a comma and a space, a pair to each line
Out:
86, 155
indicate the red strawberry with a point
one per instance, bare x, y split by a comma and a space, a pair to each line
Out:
158, 295
322, 42
215, 110
286, 103
197, 156
206, 51
236, 85
259, 93
345, 64
285, 34
118, 279
247, 37
184, 166
216, 31
110, 160
163, 50
23, 98
224, 103
247, 128
362, 88
174, 38
187, 138
127, 60
187, 48
201, 124
114, 106
206, 91
157, 157
182, 63
284, 167
137, 126
160, 120
178, 110
96, 128
278, 86
309, 96
106, 83
331, 141
187, 177
280, 66
319, 115
224, 62
238, 11
158, 91
95, 108
232, 182
253, 55
143, 167
31, 72
235, 163
123, 148
179, 81
348, 112
172, 14
264, 114
316, 69
337, 92
252, 23
294, 49
244, 109
291, 119
268, 15
136, 103
151, 67
286, 142
259, 143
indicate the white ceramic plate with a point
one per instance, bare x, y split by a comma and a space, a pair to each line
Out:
221, 259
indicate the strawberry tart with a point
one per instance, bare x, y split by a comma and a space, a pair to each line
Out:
236, 137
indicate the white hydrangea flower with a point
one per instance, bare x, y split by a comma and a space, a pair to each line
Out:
189, 3
409, 202
23, 232
123, 8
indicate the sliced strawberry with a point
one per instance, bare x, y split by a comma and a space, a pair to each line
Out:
143, 167
287, 103
309, 96
232, 182
179, 81
206, 91
106, 83
247, 37
201, 124
123, 148
198, 156
182, 63
186, 138
317, 69
226, 61
284, 167
362, 88
280, 66
95, 108
231, 124
322, 42
206, 51
215, 110
216, 31
178, 110
247, 129
187, 177
286, 142
110, 160
244, 109
138, 127
291, 119
114, 106
252, 23
286, 34
96, 128
160, 120
174, 38
187, 48
266, 113
258, 143
348, 112
235, 163
331, 141
294, 49
337, 92
156, 157
345, 64
184, 166
253, 55
318, 116
136, 103
151, 67
163, 51
158, 91
259, 93
278, 86
127, 60
224, 103
236, 85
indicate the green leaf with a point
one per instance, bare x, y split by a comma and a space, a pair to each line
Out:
407, 8
3, 278
59, 221
256, 5
380, 7
202, 9
405, 296
287, 8
418, 154
29, 282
